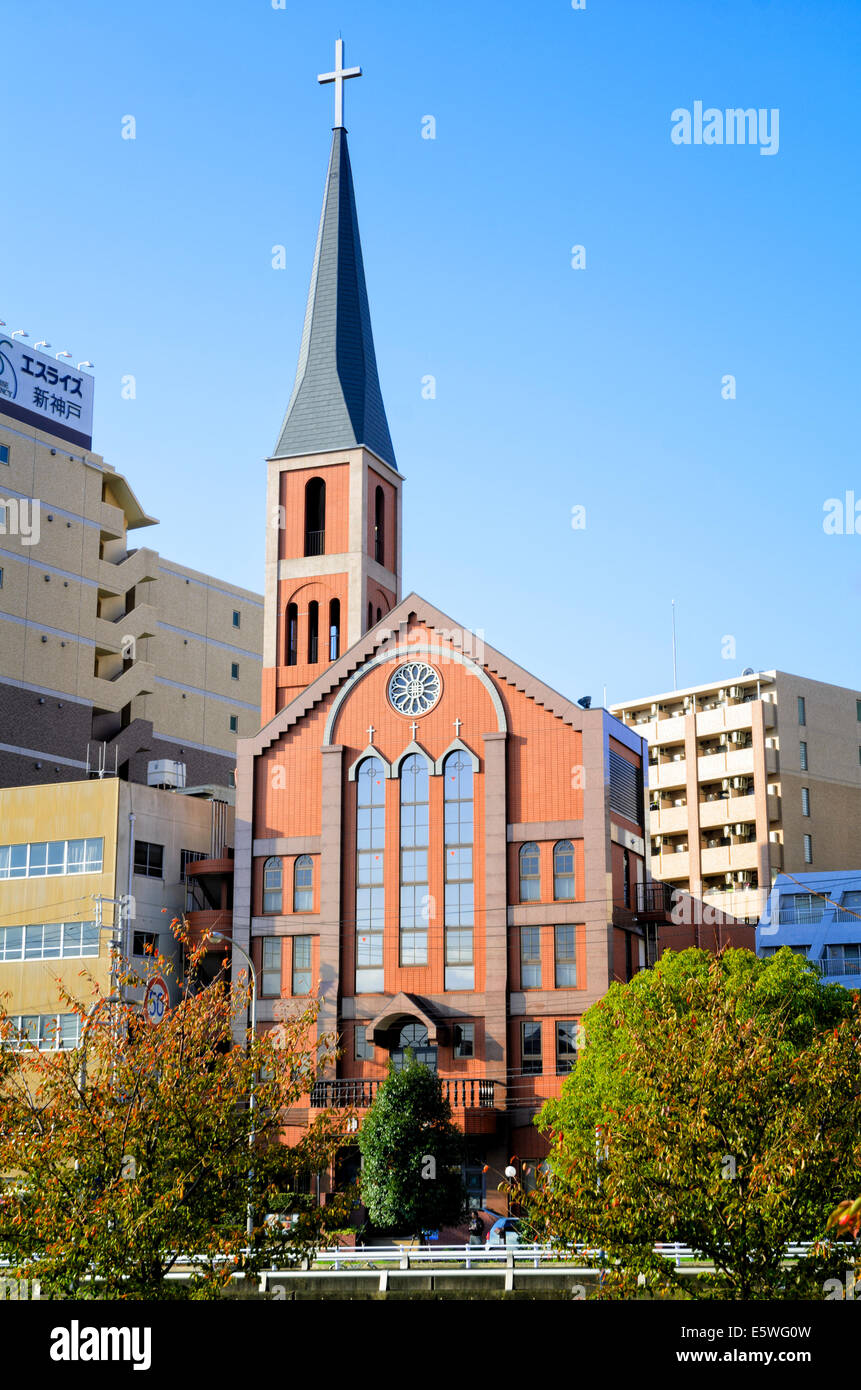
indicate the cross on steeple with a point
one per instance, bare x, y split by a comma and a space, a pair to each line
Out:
457, 724
413, 727
339, 76
371, 732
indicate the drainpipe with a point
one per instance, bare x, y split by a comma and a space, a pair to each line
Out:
126, 947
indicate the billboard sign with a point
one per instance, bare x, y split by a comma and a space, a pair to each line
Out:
46, 392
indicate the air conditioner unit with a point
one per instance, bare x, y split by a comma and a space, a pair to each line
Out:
728, 878
724, 739
725, 784
721, 694
659, 840
739, 829
734, 692
654, 709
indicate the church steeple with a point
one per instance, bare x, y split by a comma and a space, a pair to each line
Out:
336, 401
333, 554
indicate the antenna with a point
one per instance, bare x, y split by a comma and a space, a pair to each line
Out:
675, 677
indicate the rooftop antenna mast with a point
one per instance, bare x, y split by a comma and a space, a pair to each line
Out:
675, 676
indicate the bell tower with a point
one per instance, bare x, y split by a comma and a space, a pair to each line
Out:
333, 546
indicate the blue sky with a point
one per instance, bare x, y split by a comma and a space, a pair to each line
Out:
555, 387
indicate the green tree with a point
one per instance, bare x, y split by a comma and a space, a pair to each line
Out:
139, 1147
411, 1152
715, 1103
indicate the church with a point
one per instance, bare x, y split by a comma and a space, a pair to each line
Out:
447, 852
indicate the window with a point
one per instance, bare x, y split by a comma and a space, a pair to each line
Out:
530, 957
47, 1032
236, 619
413, 1039
301, 965
565, 950
464, 1040
566, 1047
805, 801
363, 1049
530, 874
530, 1048
189, 856
270, 982
459, 888
272, 885
858, 709
49, 941
802, 710
234, 724
808, 849
370, 616
800, 909
414, 906
370, 893
51, 858
144, 943
149, 859
334, 629
315, 517
626, 787
4, 458
843, 960
303, 885
850, 906
292, 634
563, 871
313, 631
234, 670
802, 756
379, 525
1, 586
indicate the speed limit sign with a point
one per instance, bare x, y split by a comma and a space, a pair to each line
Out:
156, 1000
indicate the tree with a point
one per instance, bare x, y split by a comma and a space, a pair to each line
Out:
715, 1103
411, 1151
136, 1147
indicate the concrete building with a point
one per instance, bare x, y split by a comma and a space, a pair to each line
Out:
818, 916
110, 655
757, 773
85, 862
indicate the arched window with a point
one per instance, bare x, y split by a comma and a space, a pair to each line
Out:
370, 616
334, 629
303, 885
379, 526
272, 883
459, 887
413, 1038
313, 631
292, 633
530, 874
315, 517
370, 893
563, 870
379, 614
414, 860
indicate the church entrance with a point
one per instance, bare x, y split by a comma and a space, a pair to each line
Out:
413, 1038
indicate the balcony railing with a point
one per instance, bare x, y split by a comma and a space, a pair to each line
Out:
654, 899
462, 1093
315, 542
835, 968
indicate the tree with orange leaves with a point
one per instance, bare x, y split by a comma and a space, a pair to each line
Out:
135, 1155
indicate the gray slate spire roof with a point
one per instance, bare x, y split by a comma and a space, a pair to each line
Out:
336, 401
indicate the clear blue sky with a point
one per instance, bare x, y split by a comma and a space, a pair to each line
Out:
555, 387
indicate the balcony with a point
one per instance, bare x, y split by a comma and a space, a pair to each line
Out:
210, 920
462, 1093
672, 866
668, 774
668, 729
315, 542
713, 767
654, 902
729, 858
671, 821
728, 809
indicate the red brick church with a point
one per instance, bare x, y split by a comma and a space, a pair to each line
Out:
440, 846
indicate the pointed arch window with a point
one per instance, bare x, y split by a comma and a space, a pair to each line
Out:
530, 874
303, 885
292, 633
334, 629
315, 517
272, 885
370, 616
459, 885
379, 614
379, 526
313, 631
563, 871
370, 890
414, 905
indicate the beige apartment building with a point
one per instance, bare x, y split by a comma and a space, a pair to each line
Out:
747, 778
111, 656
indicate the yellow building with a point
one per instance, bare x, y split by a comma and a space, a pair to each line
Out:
82, 863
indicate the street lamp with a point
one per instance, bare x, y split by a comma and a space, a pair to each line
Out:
234, 945
511, 1174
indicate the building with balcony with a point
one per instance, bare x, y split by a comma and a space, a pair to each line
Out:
749, 777
85, 864
111, 656
436, 844
817, 916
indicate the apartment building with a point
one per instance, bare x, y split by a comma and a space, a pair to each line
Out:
111, 656
85, 863
817, 916
749, 777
